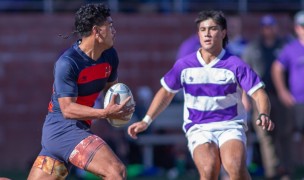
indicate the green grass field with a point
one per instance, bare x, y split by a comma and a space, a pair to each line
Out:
162, 175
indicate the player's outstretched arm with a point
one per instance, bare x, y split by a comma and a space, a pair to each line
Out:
72, 110
160, 101
263, 105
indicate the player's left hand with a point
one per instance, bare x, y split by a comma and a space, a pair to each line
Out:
265, 122
136, 128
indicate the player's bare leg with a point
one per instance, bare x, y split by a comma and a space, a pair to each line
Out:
91, 154
94, 155
233, 156
47, 168
207, 160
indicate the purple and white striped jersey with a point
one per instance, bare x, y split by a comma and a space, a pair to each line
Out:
213, 92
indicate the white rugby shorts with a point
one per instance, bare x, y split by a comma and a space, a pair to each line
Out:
197, 136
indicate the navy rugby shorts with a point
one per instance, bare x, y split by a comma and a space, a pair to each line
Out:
60, 136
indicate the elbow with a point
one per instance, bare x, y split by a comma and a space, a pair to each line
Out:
66, 115
66, 109
276, 70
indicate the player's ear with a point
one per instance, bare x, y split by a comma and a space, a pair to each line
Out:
95, 30
224, 33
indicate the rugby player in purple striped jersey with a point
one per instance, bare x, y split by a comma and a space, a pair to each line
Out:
213, 81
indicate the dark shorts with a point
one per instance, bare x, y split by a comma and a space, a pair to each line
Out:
299, 117
60, 136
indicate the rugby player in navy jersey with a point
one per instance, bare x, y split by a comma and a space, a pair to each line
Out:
213, 81
80, 74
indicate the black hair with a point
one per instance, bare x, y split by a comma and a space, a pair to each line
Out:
218, 17
90, 15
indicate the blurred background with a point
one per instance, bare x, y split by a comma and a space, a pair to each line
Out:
149, 34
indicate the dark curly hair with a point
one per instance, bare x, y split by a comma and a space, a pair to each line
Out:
218, 17
90, 15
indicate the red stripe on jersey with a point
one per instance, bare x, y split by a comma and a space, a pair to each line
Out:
92, 73
89, 122
50, 108
87, 101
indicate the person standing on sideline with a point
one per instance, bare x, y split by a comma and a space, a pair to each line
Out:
291, 60
80, 74
237, 42
260, 54
189, 45
214, 117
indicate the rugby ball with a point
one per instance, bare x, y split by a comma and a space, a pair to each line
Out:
123, 92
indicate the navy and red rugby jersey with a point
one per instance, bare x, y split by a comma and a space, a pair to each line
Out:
77, 75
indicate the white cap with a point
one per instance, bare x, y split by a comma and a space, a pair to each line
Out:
299, 18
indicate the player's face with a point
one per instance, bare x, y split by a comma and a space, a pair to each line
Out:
269, 31
211, 35
107, 33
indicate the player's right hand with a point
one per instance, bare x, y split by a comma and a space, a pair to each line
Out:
119, 111
136, 128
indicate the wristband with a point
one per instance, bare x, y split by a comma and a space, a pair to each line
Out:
147, 119
263, 114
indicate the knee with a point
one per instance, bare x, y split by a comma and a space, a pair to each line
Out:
120, 170
236, 169
209, 172
116, 171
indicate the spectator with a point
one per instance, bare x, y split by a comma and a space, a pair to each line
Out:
190, 45
291, 59
237, 42
260, 54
